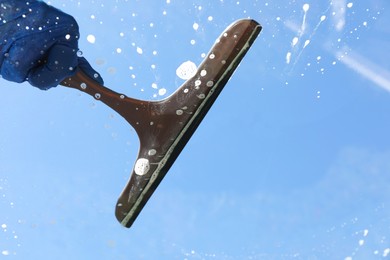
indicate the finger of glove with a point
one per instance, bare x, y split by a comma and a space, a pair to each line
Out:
87, 69
60, 63
20, 58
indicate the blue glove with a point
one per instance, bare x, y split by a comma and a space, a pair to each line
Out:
39, 44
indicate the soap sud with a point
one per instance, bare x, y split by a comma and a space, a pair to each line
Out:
142, 166
162, 91
91, 38
186, 70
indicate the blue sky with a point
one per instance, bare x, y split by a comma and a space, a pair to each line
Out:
291, 162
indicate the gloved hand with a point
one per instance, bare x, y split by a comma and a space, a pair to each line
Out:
39, 44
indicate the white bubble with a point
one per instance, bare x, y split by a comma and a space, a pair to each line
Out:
142, 166
91, 38
294, 41
210, 83
152, 152
179, 112
198, 83
306, 7
210, 18
323, 18
162, 91
139, 50
154, 85
288, 57
4, 226
5, 252
186, 70
349, 5
195, 26
307, 42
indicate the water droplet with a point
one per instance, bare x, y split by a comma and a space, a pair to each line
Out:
152, 152
79, 53
201, 96
83, 85
212, 56
97, 96
210, 83
179, 112
122, 96
203, 73
198, 83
